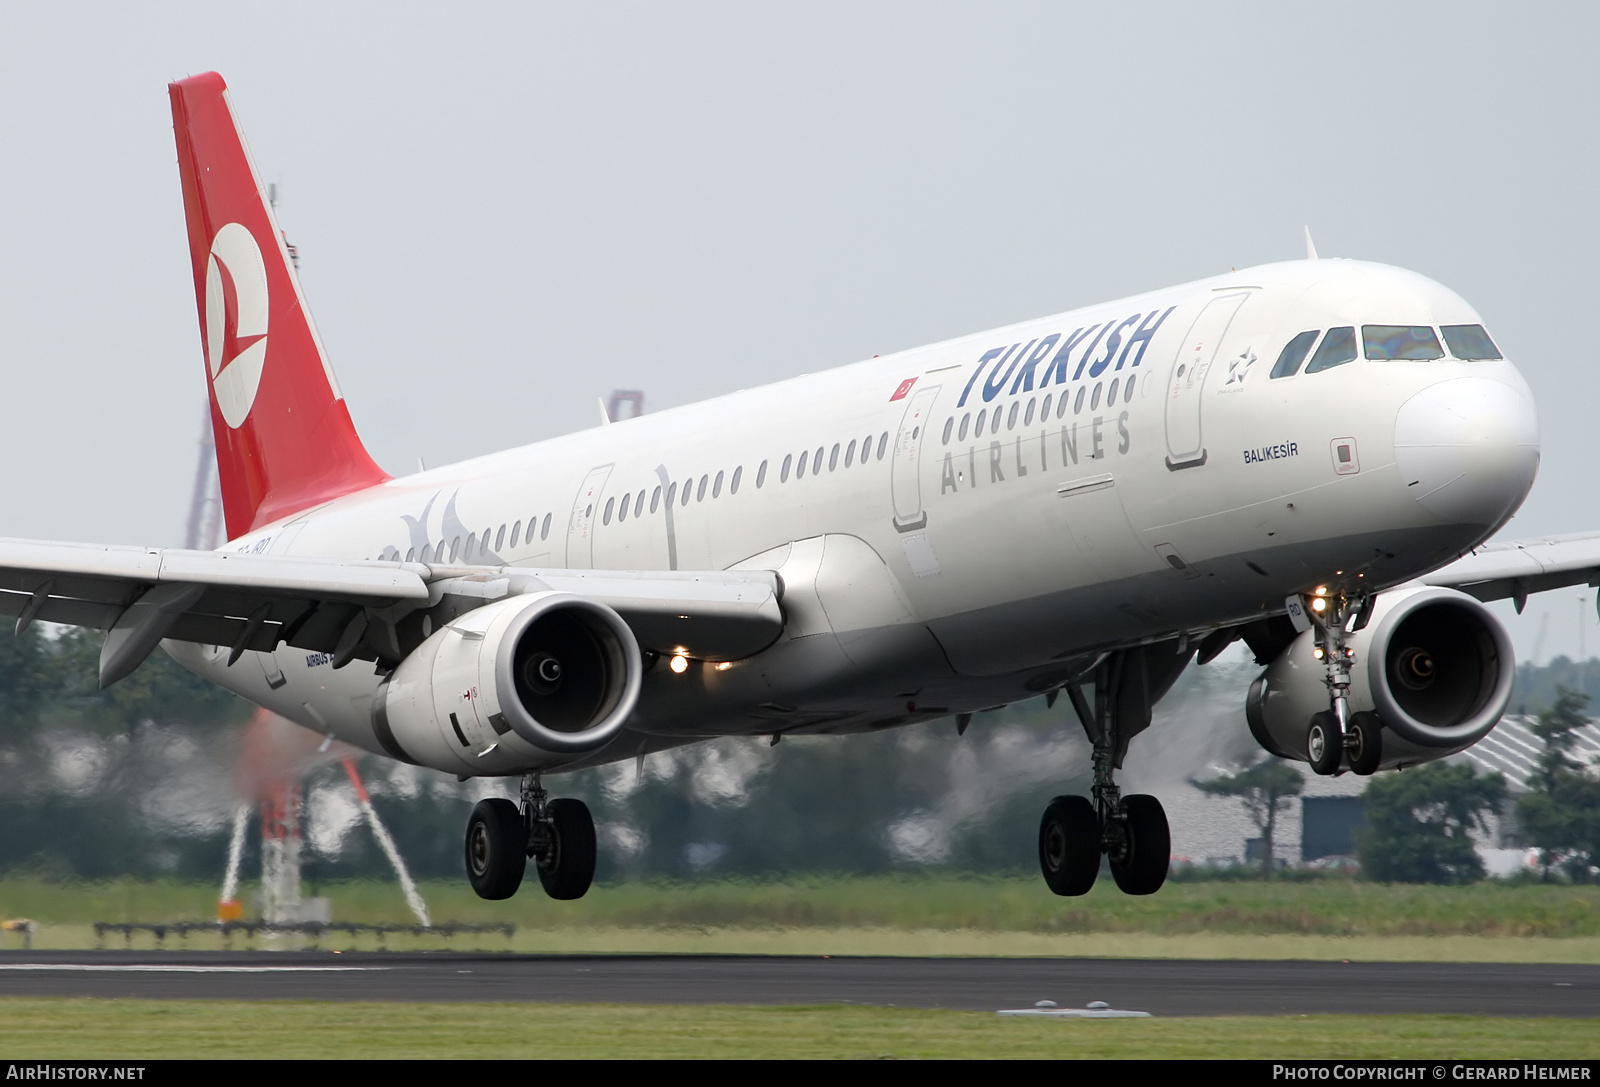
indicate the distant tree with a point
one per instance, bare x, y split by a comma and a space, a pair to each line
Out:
1557, 727
159, 690
1537, 686
1265, 789
1419, 823
26, 682
1560, 815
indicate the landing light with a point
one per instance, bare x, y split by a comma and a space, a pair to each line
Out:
679, 664
1319, 604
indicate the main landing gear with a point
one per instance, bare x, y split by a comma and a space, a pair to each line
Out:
557, 834
1131, 831
1336, 736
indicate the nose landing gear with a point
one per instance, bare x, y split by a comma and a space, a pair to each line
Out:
1336, 736
557, 834
1131, 831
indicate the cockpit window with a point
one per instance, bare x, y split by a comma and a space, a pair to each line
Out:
1470, 342
1338, 347
1413, 342
1294, 353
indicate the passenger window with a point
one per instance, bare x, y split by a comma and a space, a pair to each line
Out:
1011, 416
1293, 354
1127, 390
622, 511
1094, 399
516, 531
605, 518
500, 538
961, 436
800, 469
833, 457
1470, 342
410, 552
994, 427
816, 462
672, 493
850, 450
866, 449
544, 529
455, 547
1111, 393
783, 474
716, 488
1027, 418
1061, 407
1338, 347
1413, 343
883, 444
472, 545
733, 484
949, 426
983, 417
638, 503
761, 476
688, 491
655, 498
1077, 404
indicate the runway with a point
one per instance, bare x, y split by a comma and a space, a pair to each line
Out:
1170, 987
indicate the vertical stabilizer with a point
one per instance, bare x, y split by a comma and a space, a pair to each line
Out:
284, 437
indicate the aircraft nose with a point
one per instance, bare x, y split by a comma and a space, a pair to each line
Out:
1468, 448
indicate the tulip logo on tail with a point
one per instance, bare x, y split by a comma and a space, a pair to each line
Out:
236, 320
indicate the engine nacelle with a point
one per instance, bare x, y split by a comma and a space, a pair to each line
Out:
527, 682
1434, 664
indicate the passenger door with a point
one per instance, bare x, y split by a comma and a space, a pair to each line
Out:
1190, 367
585, 514
905, 480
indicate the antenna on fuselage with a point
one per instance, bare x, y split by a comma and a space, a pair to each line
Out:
612, 411
1311, 246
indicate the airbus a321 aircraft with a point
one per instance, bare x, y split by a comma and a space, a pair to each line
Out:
1081, 504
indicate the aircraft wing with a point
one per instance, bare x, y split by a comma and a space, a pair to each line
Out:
1516, 568
353, 610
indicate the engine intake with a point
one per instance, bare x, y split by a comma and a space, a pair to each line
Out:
1434, 663
522, 683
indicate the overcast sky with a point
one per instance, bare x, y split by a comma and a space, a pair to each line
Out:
505, 211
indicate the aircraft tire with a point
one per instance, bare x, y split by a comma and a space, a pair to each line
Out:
1323, 746
1069, 845
1142, 868
496, 848
568, 869
1367, 753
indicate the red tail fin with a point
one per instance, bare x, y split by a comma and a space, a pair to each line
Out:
284, 437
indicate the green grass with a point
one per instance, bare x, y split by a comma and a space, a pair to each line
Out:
133, 1029
1330, 918
1332, 907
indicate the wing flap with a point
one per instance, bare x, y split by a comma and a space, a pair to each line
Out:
1515, 569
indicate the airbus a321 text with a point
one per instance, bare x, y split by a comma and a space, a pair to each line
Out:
1307, 455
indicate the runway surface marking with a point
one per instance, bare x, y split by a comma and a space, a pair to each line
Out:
175, 969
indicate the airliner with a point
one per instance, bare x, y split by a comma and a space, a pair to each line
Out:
1308, 456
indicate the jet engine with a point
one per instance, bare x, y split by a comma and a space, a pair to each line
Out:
1434, 664
528, 682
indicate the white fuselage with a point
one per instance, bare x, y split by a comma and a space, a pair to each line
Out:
969, 523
